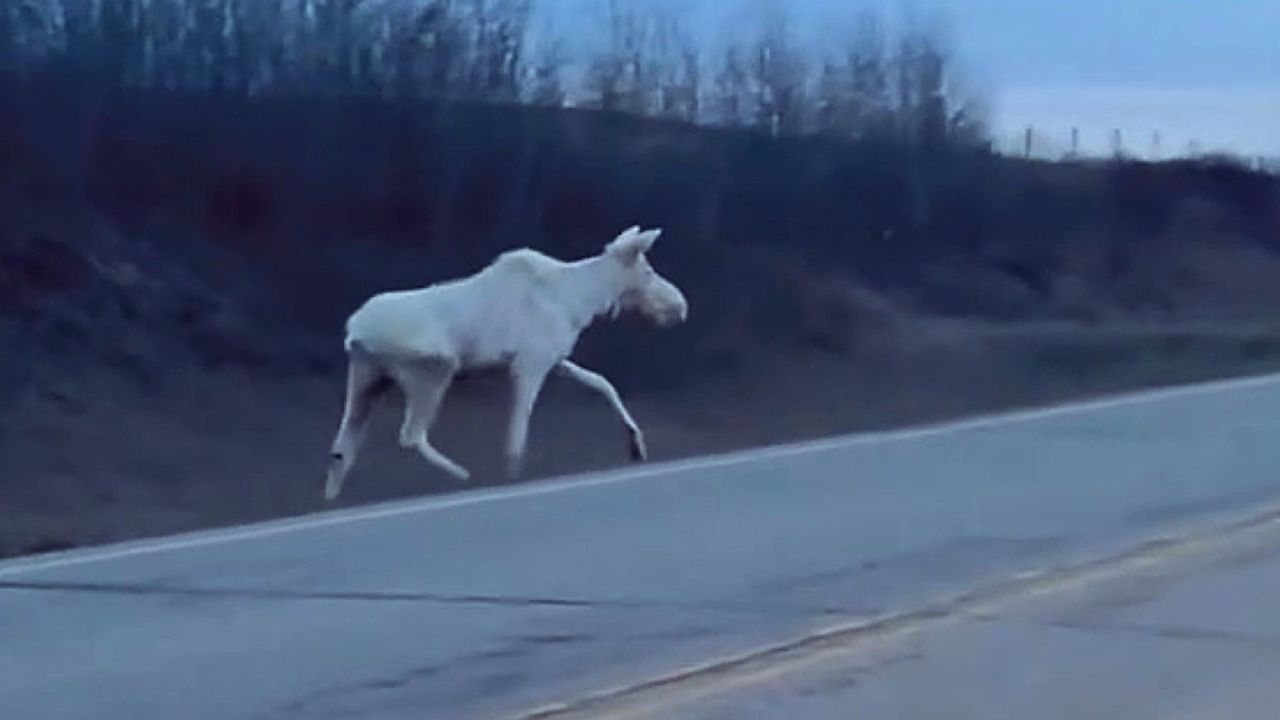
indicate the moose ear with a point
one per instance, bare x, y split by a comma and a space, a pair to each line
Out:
632, 243
623, 237
646, 238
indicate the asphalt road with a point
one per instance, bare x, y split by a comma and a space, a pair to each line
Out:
1182, 632
495, 604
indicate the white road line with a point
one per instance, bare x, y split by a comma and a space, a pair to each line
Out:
238, 533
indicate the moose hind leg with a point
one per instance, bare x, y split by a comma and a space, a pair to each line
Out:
364, 384
425, 384
527, 379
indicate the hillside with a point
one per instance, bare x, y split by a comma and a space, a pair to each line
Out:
174, 272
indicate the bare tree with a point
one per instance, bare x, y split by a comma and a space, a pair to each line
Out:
334, 47
545, 77
499, 29
929, 77
120, 41
732, 92
871, 106
852, 90
9, 49
428, 51
680, 71
627, 74
262, 59
833, 111
31, 31
608, 69
778, 74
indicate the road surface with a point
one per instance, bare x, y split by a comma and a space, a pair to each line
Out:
1182, 629
1182, 632
529, 601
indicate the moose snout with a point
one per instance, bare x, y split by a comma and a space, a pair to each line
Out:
665, 304
676, 312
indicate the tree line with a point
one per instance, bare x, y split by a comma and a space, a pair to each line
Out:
875, 86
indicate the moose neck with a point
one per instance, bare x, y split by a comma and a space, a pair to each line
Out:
594, 290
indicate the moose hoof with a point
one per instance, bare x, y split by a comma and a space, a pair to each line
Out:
638, 451
333, 481
332, 486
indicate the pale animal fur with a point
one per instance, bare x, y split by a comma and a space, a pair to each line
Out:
524, 311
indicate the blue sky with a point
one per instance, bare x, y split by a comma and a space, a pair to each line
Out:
1207, 70
1124, 42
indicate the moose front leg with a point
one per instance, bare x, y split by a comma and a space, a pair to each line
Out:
600, 384
527, 379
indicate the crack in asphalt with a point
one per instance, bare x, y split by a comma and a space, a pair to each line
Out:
1172, 632
152, 589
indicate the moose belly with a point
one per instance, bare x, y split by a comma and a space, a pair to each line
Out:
503, 334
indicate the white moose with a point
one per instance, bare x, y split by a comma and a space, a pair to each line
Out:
524, 311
